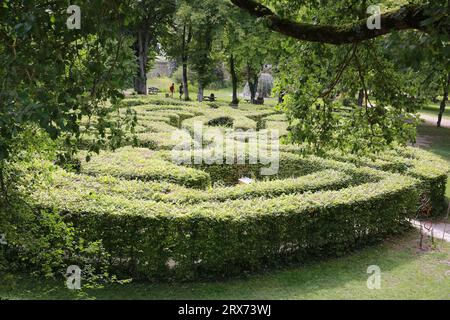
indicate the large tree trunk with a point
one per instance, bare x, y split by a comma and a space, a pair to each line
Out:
187, 37
234, 81
253, 84
142, 46
361, 98
200, 92
444, 101
185, 79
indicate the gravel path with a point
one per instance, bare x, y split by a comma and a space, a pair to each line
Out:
440, 230
433, 120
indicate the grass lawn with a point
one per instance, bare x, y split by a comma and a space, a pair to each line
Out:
437, 141
223, 95
164, 83
433, 109
407, 273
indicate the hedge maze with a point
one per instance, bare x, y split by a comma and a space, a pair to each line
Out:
163, 220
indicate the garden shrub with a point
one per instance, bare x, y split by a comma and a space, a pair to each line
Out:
210, 239
135, 163
431, 170
163, 220
221, 122
172, 193
281, 126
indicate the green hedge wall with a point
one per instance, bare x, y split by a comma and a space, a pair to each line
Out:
156, 240
171, 193
431, 170
140, 164
160, 220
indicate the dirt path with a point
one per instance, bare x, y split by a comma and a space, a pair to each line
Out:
433, 120
439, 230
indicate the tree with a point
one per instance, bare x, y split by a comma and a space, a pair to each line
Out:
425, 59
233, 35
177, 42
426, 17
207, 17
147, 20
446, 86
339, 56
247, 46
52, 77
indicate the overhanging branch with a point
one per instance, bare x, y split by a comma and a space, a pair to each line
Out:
408, 17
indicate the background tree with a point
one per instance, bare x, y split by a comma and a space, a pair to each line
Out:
336, 57
51, 78
247, 47
207, 17
147, 21
177, 44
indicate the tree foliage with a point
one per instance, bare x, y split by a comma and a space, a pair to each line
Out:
320, 77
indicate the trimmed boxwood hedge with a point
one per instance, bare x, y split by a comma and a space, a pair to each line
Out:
140, 164
161, 220
290, 166
146, 238
172, 193
431, 170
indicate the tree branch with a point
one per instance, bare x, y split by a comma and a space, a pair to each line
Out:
408, 17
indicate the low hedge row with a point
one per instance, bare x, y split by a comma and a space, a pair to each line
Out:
156, 127
157, 240
281, 126
290, 165
146, 165
141, 164
172, 193
240, 119
431, 170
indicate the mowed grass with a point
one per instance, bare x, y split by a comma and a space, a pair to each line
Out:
407, 272
437, 140
222, 95
432, 109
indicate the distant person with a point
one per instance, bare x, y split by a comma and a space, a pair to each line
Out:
172, 89
181, 90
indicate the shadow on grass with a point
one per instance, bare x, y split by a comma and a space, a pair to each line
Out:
438, 138
342, 278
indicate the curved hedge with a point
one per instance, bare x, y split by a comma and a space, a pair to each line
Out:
208, 239
140, 164
161, 220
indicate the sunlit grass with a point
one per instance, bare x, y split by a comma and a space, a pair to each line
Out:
407, 273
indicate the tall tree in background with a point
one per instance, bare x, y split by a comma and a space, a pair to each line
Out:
208, 18
332, 53
148, 20
247, 46
177, 43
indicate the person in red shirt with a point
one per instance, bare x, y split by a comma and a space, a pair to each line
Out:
172, 89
